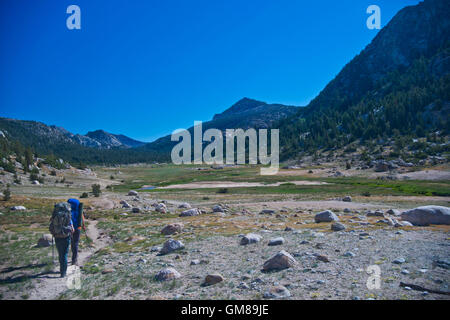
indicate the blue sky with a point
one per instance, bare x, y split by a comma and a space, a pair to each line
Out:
144, 68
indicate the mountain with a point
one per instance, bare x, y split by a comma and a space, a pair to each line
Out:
37, 133
397, 86
110, 140
246, 113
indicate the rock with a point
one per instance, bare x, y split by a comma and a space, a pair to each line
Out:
161, 208
404, 271
35, 182
125, 204
347, 199
132, 193
322, 258
445, 264
337, 226
195, 262
243, 285
347, 210
276, 241
167, 274
45, 241
377, 213
399, 261
212, 279
124, 214
393, 212
190, 213
426, 215
217, 208
282, 260
136, 210
108, 270
403, 224
325, 216
349, 254
171, 245
185, 205
267, 211
277, 292
18, 208
172, 228
250, 238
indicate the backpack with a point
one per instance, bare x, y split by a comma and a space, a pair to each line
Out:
61, 222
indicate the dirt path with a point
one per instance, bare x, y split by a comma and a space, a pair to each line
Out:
51, 285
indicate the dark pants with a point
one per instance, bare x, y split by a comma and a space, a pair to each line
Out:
75, 240
62, 245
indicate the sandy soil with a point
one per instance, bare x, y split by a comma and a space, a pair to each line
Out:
225, 184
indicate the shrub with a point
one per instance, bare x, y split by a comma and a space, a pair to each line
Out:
223, 190
6, 194
33, 176
84, 195
53, 173
96, 190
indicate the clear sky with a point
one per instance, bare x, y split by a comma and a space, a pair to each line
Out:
144, 67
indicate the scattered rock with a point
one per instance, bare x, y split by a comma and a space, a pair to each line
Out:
399, 261
172, 228
132, 193
125, 204
161, 208
45, 241
136, 210
190, 213
277, 292
282, 260
337, 226
267, 211
212, 279
217, 208
250, 238
167, 274
276, 241
347, 199
426, 215
393, 212
184, 205
325, 216
171, 245
18, 208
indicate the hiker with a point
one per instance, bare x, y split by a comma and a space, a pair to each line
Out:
78, 223
61, 228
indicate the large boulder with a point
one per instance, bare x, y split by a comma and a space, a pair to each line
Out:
132, 193
282, 260
250, 238
171, 245
325, 216
172, 228
167, 274
426, 215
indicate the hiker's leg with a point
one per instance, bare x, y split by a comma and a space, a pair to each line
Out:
74, 243
62, 244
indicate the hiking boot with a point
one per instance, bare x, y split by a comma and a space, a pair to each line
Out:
75, 262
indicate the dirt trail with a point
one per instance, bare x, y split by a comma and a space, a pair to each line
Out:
51, 285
